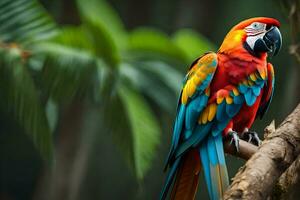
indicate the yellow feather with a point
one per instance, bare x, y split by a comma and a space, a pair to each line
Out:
184, 96
196, 80
205, 115
201, 75
208, 70
235, 92
212, 111
262, 73
250, 83
219, 100
191, 88
253, 77
229, 100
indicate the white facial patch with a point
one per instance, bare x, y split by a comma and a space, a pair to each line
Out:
255, 31
251, 39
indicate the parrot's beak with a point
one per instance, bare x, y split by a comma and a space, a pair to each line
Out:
271, 42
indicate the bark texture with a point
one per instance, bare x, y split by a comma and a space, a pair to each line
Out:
288, 181
246, 150
281, 147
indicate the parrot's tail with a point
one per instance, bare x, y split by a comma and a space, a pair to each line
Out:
187, 177
185, 170
214, 166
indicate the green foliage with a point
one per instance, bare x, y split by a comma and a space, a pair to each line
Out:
19, 98
67, 72
96, 59
105, 29
100, 14
74, 37
155, 79
144, 129
137, 132
192, 44
24, 22
150, 40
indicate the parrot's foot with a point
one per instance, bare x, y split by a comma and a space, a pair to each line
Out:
251, 137
234, 139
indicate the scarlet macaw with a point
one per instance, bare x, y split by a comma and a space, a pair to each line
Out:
223, 93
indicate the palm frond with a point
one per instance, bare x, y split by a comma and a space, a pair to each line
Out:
105, 29
155, 79
101, 14
20, 98
192, 44
67, 72
137, 131
24, 22
144, 128
151, 42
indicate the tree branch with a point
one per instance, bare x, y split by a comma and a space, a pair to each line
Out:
279, 150
246, 150
289, 179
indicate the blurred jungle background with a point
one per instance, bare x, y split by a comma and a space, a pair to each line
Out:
88, 90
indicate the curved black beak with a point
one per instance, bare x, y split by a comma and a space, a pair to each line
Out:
271, 42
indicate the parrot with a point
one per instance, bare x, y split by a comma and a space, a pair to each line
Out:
221, 96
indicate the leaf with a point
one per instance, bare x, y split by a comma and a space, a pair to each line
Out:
101, 14
136, 132
74, 37
104, 45
67, 72
105, 29
153, 41
144, 127
25, 22
19, 97
192, 44
156, 80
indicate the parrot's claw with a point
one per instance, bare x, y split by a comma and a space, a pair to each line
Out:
234, 139
252, 137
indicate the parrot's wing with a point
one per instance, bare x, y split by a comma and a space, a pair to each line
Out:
268, 92
193, 98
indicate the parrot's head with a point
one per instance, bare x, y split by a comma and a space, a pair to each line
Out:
256, 36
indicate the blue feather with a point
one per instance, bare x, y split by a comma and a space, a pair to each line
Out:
250, 98
221, 111
176, 132
206, 167
178, 125
256, 90
169, 178
192, 113
219, 127
214, 166
243, 88
238, 99
199, 133
219, 146
233, 109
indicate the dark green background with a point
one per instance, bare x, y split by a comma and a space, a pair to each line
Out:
23, 174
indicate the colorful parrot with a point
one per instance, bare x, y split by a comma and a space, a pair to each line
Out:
223, 93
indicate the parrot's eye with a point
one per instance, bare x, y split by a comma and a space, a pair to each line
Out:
257, 26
